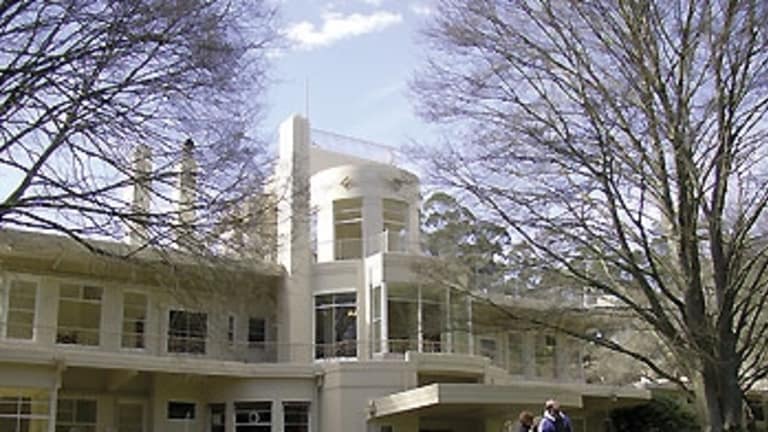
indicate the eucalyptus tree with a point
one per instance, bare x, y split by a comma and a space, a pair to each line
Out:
623, 141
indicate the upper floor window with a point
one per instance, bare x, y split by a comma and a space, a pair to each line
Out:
134, 319
395, 216
488, 347
545, 355
336, 325
231, 329
187, 331
79, 314
257, 332
20, 310
515, 360
348, 228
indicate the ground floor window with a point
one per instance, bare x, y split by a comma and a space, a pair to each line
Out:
181, 410
76, 415
253, 416
23, 412
296, 416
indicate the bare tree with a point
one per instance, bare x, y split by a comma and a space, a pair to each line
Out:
623, 141
101, 98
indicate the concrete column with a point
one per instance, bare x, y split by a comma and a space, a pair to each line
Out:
384, 319
53, 398
110, 327
46, 317
293, 230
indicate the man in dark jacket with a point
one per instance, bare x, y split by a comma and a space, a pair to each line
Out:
554, 420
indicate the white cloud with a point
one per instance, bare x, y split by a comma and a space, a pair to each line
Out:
338, 26
373, 2
421, 9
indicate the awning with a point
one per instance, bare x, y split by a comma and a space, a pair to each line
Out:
488, 398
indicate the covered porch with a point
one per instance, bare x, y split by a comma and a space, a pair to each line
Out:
459, 407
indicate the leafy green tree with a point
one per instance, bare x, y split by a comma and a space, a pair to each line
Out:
454, 232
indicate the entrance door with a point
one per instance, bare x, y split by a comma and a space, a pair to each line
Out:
130, 416
218, 417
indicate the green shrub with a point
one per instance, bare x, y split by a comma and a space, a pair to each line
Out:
659, 415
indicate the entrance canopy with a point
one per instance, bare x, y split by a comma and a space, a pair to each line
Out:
488, 399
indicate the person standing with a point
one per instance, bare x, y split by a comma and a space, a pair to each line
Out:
554, 419
526, 422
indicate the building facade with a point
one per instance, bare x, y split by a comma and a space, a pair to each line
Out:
342, 333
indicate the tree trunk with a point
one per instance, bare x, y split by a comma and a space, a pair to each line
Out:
719, 396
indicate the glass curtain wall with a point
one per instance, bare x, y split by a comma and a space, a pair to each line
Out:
403, 317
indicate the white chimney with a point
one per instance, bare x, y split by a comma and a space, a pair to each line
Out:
187, 189
140, 205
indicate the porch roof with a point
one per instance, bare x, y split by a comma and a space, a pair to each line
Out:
490, 398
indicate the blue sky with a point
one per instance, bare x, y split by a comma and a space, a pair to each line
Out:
357, 57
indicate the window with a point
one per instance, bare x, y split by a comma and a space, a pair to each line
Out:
348, 228
23, 412
336, 325
395, 216
187, 332
76, 415
79, 314
134, 319
402, 317
218, 417
253, 416
181, 410
433, 317
545, 356
257, 332
488, 347
20, 321
515, 361
130, 417
296, 417
231, 329
459, 321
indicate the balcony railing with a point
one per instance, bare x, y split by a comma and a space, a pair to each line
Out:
356, 248
222, 349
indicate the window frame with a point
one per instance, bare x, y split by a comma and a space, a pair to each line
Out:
332, 306
19, 414
269, 425
168, 403
144, 322
81, 285
257, 343
307, 404
167, 336
75, 423
5, 297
